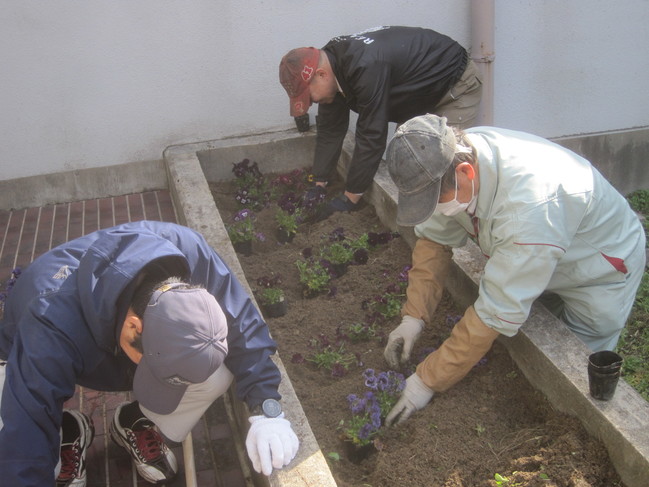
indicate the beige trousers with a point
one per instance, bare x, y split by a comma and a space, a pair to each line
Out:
460, 105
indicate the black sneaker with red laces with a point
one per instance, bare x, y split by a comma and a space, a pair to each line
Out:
154, 461
77, 434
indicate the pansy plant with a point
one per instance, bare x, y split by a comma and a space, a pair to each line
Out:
242, 227
252, 186
370, 408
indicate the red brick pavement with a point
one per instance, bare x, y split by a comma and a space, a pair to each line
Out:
24, 235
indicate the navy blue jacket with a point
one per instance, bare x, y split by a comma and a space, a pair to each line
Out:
61, 326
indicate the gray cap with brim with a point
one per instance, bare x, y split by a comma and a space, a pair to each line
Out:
184, 339
420, 152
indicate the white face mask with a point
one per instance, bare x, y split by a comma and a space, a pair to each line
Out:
453, 207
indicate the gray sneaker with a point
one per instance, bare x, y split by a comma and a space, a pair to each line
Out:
154, 461
78, 432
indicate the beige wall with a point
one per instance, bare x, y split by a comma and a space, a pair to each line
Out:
91, 83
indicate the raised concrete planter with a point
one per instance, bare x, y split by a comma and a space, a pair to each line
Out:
196, 209
549, 355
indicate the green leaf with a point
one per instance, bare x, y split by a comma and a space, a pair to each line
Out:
333, 456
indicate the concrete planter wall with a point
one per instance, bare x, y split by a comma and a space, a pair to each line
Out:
551, 357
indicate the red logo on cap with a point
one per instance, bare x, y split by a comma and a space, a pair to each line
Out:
307, 72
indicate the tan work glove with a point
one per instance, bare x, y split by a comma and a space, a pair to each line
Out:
430, 264
401, 340
469, 341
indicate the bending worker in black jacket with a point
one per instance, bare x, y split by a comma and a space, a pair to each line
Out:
385, 74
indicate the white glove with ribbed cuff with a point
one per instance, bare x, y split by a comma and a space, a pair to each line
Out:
271, 443
401, 340
413, 398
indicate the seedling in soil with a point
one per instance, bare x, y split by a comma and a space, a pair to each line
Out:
314, 277
335, 456
337, 253
501, 480
271, 295
292, 182
289, 214
242, 227
337, 360
387, 305
361, 332
252, 187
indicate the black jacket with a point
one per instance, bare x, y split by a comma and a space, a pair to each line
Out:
387, 74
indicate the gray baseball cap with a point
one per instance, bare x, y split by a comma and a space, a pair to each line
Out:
418, 155
184, 342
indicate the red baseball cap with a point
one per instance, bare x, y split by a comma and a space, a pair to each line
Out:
295, 72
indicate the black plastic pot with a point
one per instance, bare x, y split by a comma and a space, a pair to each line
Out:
275, 310
283, 236
302, 122
603, 374
339, 270
357, 453
310, 293
243, 248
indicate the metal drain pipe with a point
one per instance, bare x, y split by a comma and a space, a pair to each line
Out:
483, 54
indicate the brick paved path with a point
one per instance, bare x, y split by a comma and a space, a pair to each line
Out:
24, 235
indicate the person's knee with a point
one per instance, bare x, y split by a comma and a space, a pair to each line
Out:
599, 331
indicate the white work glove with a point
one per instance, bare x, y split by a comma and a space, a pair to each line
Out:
271, 442
402, 339
413, 398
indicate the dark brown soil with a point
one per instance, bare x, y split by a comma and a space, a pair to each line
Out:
492, 422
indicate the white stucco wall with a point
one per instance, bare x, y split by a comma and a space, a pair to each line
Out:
571, 67
88, 83
92, 83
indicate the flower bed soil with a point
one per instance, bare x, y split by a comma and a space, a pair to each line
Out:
492, 422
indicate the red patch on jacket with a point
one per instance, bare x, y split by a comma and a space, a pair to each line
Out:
617, 263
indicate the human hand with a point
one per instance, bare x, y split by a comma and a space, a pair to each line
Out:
413, 398
271, 443
401, 340
315, 194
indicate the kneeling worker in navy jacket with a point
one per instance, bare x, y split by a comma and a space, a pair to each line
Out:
148, 307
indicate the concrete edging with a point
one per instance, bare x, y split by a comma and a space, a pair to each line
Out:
196, 209
552, 358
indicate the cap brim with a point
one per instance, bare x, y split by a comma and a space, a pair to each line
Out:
416, 208
189, 411
159, 397
300, 104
